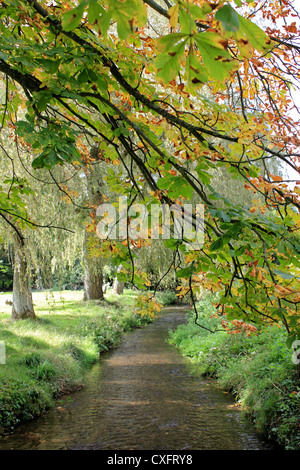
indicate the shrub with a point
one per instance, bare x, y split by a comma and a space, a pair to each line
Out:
167, 298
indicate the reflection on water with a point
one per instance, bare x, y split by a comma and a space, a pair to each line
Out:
141, 396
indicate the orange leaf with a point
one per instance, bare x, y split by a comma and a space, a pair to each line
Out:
89, 228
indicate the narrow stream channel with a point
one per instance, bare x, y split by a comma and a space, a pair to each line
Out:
141, 396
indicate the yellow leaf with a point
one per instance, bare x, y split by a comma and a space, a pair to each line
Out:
297, 190
259, 275
173, 14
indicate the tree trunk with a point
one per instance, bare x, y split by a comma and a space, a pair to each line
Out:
118, 286
22, 296
93, 283
93, 276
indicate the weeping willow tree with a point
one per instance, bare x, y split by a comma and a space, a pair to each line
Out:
38, 225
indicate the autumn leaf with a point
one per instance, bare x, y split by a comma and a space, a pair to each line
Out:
281, 291
173, 15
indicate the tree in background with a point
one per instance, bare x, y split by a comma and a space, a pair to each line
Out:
22, 306
93, 265
14, 218
34, 222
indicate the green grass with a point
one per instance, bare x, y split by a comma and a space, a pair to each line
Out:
257, 370
49, 357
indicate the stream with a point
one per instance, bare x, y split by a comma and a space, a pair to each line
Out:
141, 396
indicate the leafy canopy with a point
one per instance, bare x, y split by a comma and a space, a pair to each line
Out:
172, 92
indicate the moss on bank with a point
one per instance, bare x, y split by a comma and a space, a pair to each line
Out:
49, 357
257, 370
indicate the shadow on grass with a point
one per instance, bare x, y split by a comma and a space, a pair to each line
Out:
22, 340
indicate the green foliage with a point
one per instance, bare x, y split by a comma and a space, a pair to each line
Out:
121, 11
21, 400
167, 298
13, 192
6, 276
56, 142
67, 277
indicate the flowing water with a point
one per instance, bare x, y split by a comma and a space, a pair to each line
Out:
141, 396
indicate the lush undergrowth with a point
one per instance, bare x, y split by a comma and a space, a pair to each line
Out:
49, 357
258, 370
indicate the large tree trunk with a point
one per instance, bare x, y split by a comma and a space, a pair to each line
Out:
93, 277
22, 296
118, 286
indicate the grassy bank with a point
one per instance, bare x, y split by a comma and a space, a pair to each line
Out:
257, 370
49, 357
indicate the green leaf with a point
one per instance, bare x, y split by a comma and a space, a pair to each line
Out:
164, 183
72, 18
195, 71
255, 35
121, 131
229, 18
218, 62
166, 43
3, 56
167, 166
168, 64
176, 186
234, 230
101, 82
279, 312
124, 29
123, 11
221, 215
186, 272
199, 12
216, 245
204, 176
24, 128
43, 99
187, 23
104, 22
95, 11
293, 336
46, 159
172, 243
50, 66
83, 76
180, 188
